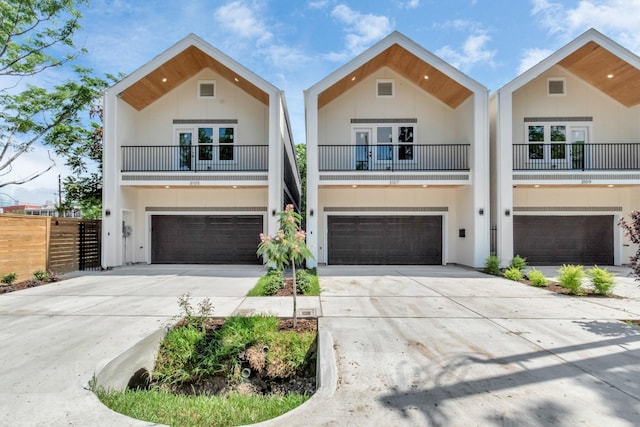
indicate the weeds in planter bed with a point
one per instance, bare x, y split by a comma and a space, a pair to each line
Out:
571, 278
269, 284
9, 278
41, 275
513, 273
518, 262
537, 278
492, 265
602, 279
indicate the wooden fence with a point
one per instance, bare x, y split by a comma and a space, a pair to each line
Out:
29, 243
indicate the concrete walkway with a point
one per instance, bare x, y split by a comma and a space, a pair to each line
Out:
431, 346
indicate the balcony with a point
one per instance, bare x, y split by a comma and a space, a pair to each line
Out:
195, 158
394, 158
576, 157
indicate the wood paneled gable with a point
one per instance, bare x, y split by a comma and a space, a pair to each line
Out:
176, 71
606, 72
410, 67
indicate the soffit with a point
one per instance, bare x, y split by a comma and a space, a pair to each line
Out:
176, 71
410, 67
593, 64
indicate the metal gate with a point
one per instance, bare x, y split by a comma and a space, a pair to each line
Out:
90, 245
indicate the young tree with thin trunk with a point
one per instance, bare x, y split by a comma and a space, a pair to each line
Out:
287, 247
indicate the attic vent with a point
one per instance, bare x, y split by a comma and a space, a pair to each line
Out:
207, 89
384, 88
556, 86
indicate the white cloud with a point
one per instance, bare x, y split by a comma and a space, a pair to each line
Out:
243, 21
531, 57
409, 4
619, 19
320, 4
474, 51
362, 29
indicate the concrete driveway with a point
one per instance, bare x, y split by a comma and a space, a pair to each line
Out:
54, 338
447, 346
428, 346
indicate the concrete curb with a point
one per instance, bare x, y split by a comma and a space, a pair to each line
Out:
327, 379
116, 374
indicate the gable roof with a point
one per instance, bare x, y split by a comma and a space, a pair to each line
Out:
597, 60
404, 56
180, 62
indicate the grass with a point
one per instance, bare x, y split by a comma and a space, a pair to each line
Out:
165, 408
263, 287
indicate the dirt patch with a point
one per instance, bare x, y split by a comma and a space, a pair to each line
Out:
587, 292
287, 289
25, 284
253, 376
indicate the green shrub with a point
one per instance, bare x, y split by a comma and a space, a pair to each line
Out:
9, 278
513, 273
492, 265
41, 275
602, 279
274, 282
537, 278
518, 262
303, 281
571, 278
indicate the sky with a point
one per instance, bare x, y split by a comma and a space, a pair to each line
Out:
295, 43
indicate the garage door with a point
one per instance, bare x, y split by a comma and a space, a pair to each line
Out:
205, 239
564, 239
385, 240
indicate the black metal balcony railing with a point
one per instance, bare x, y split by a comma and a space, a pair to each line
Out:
577, 156
195, 158
396, 157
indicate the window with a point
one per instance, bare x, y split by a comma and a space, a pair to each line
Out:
405, 143
384, 140
225, 139
556, 86
555, 142
384, 88
206, 89
205, 143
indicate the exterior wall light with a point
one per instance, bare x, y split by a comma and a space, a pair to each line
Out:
507, 212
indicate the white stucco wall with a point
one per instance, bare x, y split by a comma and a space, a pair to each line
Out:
612, 121
135, 201
437, 122
457, 200
154, 124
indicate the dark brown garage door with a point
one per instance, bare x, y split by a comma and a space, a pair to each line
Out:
385, 240
205, 239
564, 239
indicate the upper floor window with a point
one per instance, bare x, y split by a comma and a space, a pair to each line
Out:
206, 89
559, 143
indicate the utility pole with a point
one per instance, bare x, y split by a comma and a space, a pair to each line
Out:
60, 209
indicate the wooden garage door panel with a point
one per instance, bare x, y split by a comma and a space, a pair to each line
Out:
373, 240
564, 239
205, 239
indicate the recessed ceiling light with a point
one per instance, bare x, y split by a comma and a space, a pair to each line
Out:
609, 76
353, 79
610, 185
426, 77
235, 186
236, 79
354, 186
425, 186
164, 80
166, 186
536, 186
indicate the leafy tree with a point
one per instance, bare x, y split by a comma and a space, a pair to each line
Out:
287, 247
36, 35
632, 231
301, 159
